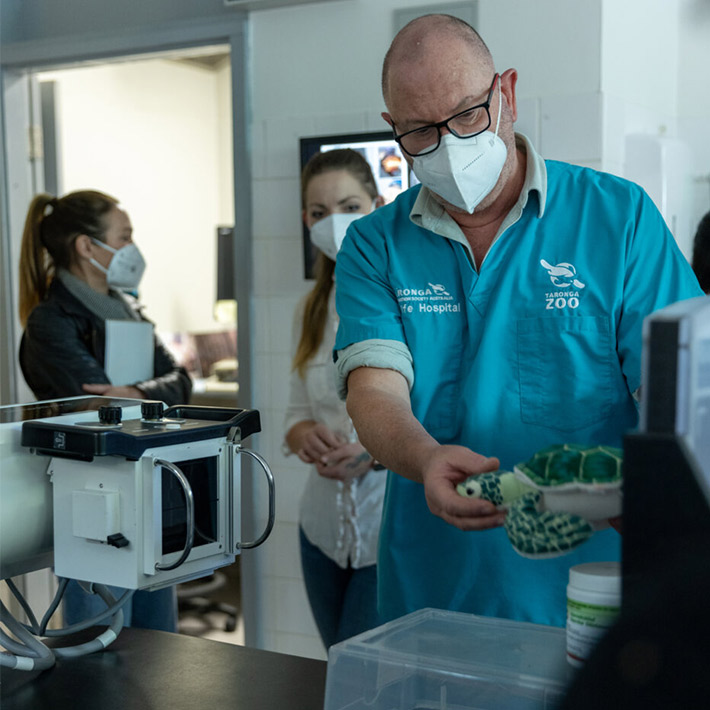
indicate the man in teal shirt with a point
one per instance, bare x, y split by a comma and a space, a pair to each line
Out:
490, 312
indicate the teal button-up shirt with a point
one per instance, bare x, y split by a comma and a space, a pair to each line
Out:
539, 345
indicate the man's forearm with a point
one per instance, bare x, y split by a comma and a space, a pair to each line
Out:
378, 403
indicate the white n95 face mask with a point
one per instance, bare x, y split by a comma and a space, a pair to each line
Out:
126, 267
463, 170
328, 233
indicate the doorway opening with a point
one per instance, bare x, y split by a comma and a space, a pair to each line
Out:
155, 132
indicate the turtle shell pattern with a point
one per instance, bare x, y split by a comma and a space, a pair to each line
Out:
574, 463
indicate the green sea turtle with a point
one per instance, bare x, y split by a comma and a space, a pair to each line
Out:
557, 499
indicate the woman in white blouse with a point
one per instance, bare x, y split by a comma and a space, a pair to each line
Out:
342, 503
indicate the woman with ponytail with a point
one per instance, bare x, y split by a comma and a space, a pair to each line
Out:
77, 261
342, 502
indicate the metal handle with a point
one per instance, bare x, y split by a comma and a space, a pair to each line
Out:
272, 498
190, 512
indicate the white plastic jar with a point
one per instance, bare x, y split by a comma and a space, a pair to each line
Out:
593, 604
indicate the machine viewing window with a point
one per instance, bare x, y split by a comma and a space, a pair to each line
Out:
202, 476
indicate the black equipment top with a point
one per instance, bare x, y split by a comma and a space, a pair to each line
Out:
109, 436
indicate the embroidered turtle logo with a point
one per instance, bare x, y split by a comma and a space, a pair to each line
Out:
438, 289
563, 274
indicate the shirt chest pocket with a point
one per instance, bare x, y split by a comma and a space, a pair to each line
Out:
566, 368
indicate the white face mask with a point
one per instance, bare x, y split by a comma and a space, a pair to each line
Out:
126, 267
463, 170
328, 233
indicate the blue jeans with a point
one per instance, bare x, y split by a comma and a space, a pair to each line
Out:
145, 610
343, 601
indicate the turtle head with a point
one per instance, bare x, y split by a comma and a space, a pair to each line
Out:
470, 488
498, 487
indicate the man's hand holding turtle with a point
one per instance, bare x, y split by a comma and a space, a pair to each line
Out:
444, 470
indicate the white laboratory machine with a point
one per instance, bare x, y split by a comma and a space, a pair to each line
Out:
119, 492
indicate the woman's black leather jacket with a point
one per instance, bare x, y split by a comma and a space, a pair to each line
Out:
63, 347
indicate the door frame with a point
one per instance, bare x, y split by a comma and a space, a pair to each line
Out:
18, 184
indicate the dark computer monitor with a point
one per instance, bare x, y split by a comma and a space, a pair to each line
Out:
675, 395
667, 461
657, 653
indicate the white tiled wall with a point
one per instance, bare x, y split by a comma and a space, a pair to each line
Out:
288, 625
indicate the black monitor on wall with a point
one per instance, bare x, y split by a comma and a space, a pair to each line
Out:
391, 172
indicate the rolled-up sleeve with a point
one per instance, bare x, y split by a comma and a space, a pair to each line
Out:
385, 354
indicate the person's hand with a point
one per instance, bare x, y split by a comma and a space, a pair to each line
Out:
447, 467
345, 462
317, 442
111, 391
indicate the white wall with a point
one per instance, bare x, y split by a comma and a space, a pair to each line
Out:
694, 100
156, 135
641, 57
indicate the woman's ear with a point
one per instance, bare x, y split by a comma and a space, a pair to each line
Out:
82, 246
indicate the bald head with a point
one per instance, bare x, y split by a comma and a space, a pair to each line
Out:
420, 41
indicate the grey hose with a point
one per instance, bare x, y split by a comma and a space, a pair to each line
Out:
41, 657
30, 654
52, 607
23, 603
41, 628
102, 640
113, 609
13, 646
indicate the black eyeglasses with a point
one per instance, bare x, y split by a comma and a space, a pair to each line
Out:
465, 124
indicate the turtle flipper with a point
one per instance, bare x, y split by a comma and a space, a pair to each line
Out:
537, 534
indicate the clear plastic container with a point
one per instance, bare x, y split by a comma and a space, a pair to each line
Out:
443, 660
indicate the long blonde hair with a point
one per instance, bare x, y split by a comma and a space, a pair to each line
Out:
49, 235
315, 311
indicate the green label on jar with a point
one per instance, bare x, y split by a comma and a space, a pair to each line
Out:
591, 614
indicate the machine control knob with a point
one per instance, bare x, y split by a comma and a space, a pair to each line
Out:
152, 410
110, 415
